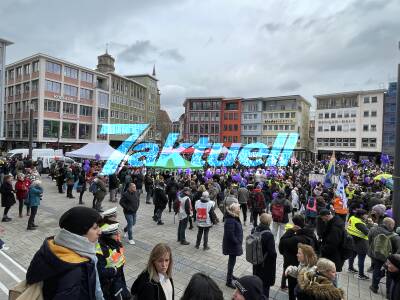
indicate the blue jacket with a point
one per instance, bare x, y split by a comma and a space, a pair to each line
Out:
34, 195
233, 236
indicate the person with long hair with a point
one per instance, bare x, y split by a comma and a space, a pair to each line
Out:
21, 189
202, 287
155, 282
7, 197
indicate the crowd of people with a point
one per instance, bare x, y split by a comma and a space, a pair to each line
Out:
317, 227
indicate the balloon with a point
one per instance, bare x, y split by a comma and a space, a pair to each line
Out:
87, 162
180, 171
367, 180
188, 171
86, 168
218, 171
246, 174
97, 157
274, 195
208, 174
383, 180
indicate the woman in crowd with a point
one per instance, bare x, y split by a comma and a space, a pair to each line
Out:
7, 197
66, 263
320, 284
81, 188
232, 239
21, 189
202, 287
33, 201
111, 261
155, 282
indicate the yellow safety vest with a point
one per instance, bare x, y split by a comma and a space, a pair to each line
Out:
115, 259
350, 194
352, 229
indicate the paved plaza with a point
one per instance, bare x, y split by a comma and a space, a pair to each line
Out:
187, 260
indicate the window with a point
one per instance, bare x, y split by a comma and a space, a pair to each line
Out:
51, 105
69, 130
366, 113
11, 76
85, 110
51, 128
27, 69
366, 99
70, 108
372, 143
86, 94
293, 115
25, 129
52, 86
53, 67
338, 142
231, 106
373, 113
35, 66
374, 99
85, 131
333, 115
353, 142
103, 99
365, 127
70, 90
373, 127
339, 128
320, 116
35, 85
364, 142
352, 127
320, 128
339, 114
333, 128
102, 113
353, 113
326, 115
87, 77
26, 87
346, 114
70, 72
18, 90
19, 72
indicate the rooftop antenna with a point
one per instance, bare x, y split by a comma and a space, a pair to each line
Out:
106, 48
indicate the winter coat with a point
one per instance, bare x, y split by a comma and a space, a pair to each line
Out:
101, 189
139, 181
381, 229
243, 195
289, 241
34, 195
332, 238
7, 195
395, 286
112, 182
361, 245
112, 280
233, 236
288, 207
256, 201
65, 274
267, 270
144, 288
129, 202
82, 181
160, 199
314, 286
22, 188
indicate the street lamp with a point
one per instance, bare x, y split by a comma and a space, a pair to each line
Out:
31, 110
396, 172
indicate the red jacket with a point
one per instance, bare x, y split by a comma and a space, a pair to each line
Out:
22, 188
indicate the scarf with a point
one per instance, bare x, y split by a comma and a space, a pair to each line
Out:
83, 247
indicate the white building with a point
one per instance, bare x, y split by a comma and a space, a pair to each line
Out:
350, 122
3, 45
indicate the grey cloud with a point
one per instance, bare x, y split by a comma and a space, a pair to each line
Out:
272, 27
172, 54
290, 86
139, 51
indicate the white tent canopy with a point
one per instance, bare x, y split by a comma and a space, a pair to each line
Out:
90, 150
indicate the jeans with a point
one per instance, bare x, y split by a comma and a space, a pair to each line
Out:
158, 214
181, 229
149, 192
69, 190
278, 229
31, 220
200, 234
243, 207
231, 265
255, 218
361, 260
113, 193
378, 274
98, 203
171, 199
131, 220
80, 197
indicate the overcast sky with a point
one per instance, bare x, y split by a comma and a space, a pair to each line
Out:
218, 47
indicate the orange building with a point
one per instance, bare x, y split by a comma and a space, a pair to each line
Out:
230, 121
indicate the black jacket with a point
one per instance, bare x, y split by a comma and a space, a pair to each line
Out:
112, 182
7, 195
395, 286
233, 236
290, 240
160, 199
332, 239
65, 274
144, 288
267, 271
129, 202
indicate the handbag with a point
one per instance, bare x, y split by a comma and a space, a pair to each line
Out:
24, 291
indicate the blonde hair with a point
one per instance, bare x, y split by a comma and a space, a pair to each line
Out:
159, 251
310, 258
324, 265
202, 188
234, 209
266, 219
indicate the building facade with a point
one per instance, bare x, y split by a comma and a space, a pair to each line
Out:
230, 121
3, 45
69, 102
350, 123
389, 120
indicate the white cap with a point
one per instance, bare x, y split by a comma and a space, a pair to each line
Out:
109, 212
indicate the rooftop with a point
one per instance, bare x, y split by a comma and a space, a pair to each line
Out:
350, 93
8, 43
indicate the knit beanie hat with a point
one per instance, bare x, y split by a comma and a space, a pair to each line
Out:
79, 219
251, 287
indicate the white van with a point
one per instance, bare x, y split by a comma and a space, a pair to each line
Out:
47, 161
22, 153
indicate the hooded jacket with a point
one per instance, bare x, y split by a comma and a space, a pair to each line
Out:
65, 274
314, 286
332, 238
381, 229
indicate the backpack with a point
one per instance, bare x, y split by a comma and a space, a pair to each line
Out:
23, 291
254, 253
311, 208
382, 246
93, 187
347, 248
177, 205
278, 212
